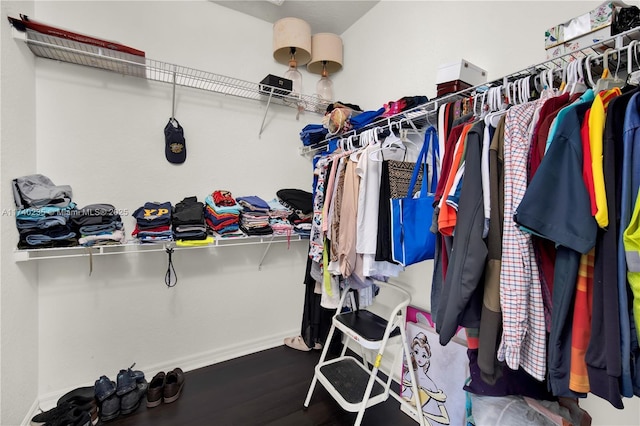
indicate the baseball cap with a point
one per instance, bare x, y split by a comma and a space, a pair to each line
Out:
175, 147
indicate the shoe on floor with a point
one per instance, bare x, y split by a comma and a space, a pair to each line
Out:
130, 401
110, 408
174, 382
156, 390
60, 411
126, 382
104, 388
79, 396
299, 344
50, 415
75, 417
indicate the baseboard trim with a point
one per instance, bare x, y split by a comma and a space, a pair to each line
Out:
32, 412
187, 363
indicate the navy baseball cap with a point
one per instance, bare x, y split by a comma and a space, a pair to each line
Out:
175, 147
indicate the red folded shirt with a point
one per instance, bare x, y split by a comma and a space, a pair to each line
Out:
223, 198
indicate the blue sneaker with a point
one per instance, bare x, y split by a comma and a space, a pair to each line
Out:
126, 382
110, 408
104, 388
131, 401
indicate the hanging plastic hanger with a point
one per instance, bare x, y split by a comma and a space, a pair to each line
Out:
391, 143
633, 77
484, 108
404, 137
579, 85
568, 77
524, 90
606, 82
589, 60
548, 74
563, 81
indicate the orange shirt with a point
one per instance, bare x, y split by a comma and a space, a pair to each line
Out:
581, 328
448, 215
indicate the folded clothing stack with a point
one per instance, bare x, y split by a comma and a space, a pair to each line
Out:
153, 222
98, 224
254, 217
280, 226
300, 203
255, 223
303, 229
222, 213
43, 213
188, 220
312, 134
253, 203
277, 211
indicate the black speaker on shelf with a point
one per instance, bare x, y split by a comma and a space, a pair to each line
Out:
278, 85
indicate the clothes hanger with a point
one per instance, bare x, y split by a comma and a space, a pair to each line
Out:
524, 90
633, 77
475, 104
484, 108
590, 58
606, 82
563, 81
391, 142
568, 77
581, 85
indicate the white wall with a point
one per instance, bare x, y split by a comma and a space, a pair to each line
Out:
18, 283
102, 133
395, 51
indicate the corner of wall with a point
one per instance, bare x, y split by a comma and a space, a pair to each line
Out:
18, 285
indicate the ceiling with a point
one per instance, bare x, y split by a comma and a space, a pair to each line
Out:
330, 16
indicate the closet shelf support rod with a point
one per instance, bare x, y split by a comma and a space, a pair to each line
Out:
265, 113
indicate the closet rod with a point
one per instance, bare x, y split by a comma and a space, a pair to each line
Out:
595, 51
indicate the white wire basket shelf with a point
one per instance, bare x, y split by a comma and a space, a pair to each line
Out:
25, 255
64, 50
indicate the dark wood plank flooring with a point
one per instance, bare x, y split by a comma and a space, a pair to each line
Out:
265, 388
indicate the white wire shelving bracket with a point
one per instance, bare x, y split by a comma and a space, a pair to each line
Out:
25, 255
429, 110
64, 50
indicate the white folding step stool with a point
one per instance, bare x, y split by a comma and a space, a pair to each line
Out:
351, 382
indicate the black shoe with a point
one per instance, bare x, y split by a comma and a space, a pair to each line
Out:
74, 417
48, 416
59, 412
79, 396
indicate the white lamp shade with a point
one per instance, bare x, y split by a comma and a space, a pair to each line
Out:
288, 33
325, 47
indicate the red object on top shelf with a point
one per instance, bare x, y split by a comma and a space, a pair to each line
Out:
27, 23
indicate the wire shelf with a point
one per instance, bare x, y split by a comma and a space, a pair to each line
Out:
427, 111
64, 50
24, 255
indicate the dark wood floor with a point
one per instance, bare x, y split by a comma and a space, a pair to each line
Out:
265, 388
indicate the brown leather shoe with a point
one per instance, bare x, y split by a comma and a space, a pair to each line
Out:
173, 385
156, 390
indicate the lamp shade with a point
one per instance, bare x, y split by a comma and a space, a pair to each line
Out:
325, 47
288, 33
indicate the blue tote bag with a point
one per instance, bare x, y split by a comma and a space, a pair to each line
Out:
411, 238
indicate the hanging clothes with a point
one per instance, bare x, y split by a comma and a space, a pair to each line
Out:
461, 300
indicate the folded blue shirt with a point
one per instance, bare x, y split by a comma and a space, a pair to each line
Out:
364, 118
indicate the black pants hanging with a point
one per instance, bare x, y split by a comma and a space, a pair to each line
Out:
316, 320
